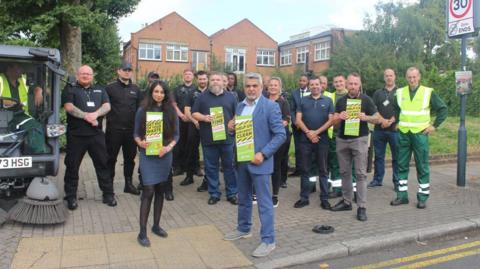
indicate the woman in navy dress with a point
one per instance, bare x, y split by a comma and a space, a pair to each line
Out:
155, 169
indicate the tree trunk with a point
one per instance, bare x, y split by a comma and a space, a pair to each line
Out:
70, 47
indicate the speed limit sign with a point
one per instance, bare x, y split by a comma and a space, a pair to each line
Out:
460, 17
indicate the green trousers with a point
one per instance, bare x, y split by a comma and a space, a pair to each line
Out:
34, 141
418, 144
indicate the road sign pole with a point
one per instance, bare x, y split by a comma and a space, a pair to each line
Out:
462, 131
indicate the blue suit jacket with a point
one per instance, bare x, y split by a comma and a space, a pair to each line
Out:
296, 103
268, 132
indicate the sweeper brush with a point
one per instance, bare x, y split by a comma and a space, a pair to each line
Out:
42, 204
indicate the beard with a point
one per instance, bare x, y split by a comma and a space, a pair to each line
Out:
216, 89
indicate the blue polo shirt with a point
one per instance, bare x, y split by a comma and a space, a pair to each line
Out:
202, 105
315, 113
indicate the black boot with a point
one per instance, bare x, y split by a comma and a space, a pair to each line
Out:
187, 181
204, 186
129, 188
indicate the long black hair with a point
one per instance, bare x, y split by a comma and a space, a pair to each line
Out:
169, 115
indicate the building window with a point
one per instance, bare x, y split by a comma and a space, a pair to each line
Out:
199, 61
285, 57
148, 51
302, 54
266, 57
177, 53
322, 51
235, 60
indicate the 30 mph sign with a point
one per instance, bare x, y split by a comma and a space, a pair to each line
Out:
460, 17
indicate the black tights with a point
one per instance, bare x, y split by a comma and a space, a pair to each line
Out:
147, 195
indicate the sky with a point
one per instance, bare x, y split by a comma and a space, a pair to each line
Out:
280, 19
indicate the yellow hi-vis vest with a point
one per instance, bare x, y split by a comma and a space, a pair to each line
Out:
414, 114
332, 96
22, 90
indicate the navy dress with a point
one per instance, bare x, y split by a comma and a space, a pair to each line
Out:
154, 169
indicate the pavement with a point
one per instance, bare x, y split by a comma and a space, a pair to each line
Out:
97, 236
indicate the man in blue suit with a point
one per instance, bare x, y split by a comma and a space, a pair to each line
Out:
269, 135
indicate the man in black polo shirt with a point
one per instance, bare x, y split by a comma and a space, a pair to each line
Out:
219, 144
314, 117
193, 140
180, 100
124, 99
385, 132
85, 105
352, 147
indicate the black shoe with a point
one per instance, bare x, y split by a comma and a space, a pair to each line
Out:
233, 200
203, 187
362, 214
399, 201
177, 172
169, 196
72, 203
295, 173
129, 188
325, 205
374, 184
213, 200
334, 194
143, 241
342, 206
301, 203
421, 205
284, 185
199, 172
275, 201
159, 231
109, 200
187, 181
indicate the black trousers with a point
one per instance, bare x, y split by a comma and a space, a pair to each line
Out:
77, 146
192, 153
116, 139
320, 152
180, 150
280, 170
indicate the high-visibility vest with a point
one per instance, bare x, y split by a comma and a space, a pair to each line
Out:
414, 113
22, 89
332, 96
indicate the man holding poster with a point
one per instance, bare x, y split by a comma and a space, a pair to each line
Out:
259, 123
213, 109
352, 113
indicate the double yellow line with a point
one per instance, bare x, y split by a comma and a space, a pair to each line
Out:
430, 262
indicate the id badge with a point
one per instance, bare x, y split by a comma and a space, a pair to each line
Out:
91, 104
386, 102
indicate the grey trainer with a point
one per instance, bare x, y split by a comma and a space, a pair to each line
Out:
263, 250
235, 235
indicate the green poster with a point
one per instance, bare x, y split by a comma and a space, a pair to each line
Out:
218, 125
154, 133
352, 123
244, 138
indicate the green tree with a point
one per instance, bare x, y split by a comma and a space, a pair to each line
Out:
59, 24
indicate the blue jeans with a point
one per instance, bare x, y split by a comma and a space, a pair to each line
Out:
380, 140
261, 183
211, 156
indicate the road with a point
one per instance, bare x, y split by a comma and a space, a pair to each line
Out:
461, 251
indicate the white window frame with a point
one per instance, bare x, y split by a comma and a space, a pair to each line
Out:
175, 49
285, 57
322, 51
302, 51
149, 47
265, 54
232, 54
195, 60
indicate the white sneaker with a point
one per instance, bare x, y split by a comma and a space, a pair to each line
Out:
254, 199
263, 250
235, 235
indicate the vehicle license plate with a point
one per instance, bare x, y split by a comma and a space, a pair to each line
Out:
15, 162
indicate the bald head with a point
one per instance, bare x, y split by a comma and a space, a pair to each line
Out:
85, 75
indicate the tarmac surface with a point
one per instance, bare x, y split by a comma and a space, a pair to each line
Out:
97, 236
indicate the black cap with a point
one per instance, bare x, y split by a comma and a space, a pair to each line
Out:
153, 74
126, 65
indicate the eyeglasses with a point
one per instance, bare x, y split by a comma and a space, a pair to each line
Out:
127, 70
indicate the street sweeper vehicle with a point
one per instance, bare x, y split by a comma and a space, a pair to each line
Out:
29, 135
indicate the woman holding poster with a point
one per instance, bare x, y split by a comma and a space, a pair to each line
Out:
156, 133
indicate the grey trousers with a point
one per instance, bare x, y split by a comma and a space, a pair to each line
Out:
348, 151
